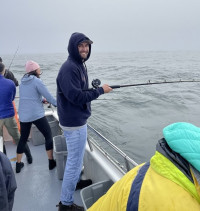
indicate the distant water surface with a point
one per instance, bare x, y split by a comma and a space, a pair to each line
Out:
133, 117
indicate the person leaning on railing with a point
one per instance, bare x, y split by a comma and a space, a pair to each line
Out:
31, 111
170, 181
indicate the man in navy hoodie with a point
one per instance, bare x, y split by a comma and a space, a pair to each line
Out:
74, 108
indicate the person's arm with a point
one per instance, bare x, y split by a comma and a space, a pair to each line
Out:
70, 85
45, 93
14, 91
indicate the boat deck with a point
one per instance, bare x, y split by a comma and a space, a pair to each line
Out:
38, 189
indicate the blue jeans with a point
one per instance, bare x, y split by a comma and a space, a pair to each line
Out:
76, 141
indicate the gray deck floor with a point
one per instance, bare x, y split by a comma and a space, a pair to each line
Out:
38, 189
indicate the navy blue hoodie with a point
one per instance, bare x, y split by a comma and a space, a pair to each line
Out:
73, 103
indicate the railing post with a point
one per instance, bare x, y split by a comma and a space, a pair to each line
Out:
127, 164
90, 145
1, 143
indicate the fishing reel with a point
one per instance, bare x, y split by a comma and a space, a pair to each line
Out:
96, 83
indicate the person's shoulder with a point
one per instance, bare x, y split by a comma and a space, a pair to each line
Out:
37, 80
9, 82
67, 68
4, 159
8, 71
8, 74
69, 64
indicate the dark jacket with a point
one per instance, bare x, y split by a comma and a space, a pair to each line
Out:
9, 75
7, 95
73, 103
8, 184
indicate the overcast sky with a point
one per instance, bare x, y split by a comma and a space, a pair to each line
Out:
40, 26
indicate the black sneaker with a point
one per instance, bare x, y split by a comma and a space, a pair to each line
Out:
19, 166
29, 159
83, 183
73, 207
52, 164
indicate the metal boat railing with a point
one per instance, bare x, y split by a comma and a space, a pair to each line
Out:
1, 144
124, 165
129, 163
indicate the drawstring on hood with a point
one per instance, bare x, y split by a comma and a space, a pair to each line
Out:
75, 39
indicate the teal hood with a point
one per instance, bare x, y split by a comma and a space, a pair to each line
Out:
184, 138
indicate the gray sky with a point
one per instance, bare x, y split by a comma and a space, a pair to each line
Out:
40, 26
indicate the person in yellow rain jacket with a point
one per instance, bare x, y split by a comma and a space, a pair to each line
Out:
169, 182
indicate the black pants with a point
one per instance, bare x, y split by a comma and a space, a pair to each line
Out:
43, 126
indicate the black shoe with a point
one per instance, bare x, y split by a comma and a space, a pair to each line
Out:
28, 154
52, 164
83, 183
73, 207
19, 166
29, 159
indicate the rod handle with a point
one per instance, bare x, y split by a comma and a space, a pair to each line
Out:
115, 86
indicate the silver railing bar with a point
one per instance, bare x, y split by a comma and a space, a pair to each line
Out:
1, 144
89, 144
126, 158
115, 162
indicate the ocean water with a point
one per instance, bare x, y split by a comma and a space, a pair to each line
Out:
133, 117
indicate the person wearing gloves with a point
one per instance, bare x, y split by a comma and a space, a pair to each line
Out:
170, 181
31, 111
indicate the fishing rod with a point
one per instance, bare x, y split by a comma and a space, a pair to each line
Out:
96, 83
13, 58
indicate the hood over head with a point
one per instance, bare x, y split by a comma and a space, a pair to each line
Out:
75, 39
184, 138
26, 79
182, 164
